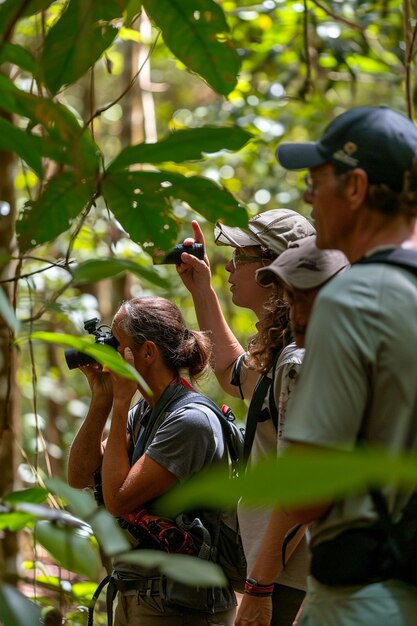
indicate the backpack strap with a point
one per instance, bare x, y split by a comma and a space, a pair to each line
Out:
154, 420
235, 379
256, 413
224, 417
401, 257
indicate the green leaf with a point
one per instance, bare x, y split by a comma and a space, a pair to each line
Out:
101, 353
95, 270
11, 10
141, 202
27, 146
67, 142
76, 41
139, 205
64, 197
12, 53
81, 503
185, 569
36, 495
133, 9
330, 475
15, 521
73, 549
183, 145
16, 610
108, 533
7, 313
195, 32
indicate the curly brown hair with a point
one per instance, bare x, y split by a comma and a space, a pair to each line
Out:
274, 333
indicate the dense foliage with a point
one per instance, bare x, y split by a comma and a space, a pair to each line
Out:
120, 122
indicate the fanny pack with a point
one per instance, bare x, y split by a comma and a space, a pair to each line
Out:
378, 552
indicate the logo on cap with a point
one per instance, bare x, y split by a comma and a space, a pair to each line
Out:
345, 154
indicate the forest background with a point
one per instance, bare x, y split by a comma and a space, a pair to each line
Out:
120, 122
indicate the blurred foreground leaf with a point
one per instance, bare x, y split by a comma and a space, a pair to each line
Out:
184, 569
16, 610
101, 353
296, 479
71, 548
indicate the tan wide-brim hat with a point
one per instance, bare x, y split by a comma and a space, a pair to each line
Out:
273, 229
303, 266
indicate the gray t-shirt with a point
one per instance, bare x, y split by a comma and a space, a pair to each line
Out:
358, 379
184, 441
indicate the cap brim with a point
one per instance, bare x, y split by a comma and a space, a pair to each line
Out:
233, 236
299, 156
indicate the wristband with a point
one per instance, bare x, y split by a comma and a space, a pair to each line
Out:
254, 588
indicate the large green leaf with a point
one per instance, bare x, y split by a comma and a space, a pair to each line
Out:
96, 269
36, 495
108, 533
72, 548
184, 569
77, 40
16, 610
67, 142
195, 31
183, 145
141, 202
101, 353
27, 146
277, 481
64, 197
141, 208
81, 503
11, 10
12, 53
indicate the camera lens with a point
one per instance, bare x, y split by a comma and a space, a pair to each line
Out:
75, 359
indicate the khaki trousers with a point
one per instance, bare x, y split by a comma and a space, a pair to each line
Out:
134, 611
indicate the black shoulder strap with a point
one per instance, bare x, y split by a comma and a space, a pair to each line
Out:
254, 413
402, 257
198, 398
235, 380
153, 421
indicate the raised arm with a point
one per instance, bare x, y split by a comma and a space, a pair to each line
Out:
196, 276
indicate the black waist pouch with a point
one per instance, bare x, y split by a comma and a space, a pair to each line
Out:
351, 558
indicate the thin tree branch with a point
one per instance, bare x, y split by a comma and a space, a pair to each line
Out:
125, 91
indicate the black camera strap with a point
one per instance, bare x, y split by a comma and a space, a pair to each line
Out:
155, 417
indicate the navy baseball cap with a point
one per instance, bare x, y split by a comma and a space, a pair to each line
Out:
379, 140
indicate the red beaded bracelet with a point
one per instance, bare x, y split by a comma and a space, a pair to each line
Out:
253, 588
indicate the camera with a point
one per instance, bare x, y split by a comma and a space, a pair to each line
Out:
174, 256
74, 358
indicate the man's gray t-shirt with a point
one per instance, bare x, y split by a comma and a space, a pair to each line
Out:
358, 379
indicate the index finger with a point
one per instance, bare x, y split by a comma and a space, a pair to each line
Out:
198, 233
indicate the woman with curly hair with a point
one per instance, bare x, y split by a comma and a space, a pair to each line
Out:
264, 374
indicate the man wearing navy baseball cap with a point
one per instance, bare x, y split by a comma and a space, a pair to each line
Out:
357, 385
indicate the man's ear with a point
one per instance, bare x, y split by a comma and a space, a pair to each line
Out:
150, 350
356, 187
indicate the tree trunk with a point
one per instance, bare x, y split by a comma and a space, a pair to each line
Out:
9, 423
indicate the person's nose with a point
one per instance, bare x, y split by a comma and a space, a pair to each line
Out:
308, 196
229, 266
